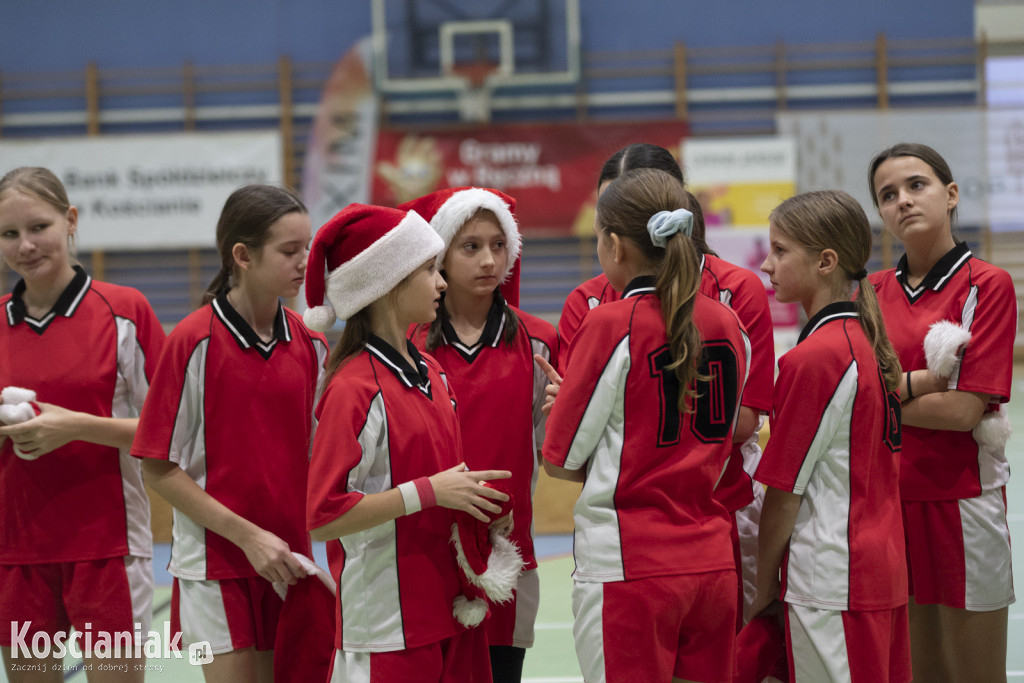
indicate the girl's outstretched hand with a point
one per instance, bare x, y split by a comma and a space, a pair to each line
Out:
550, 390
461, 489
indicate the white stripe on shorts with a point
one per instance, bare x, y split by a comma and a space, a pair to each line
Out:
588, 629
139, 571
819, 645
527, 603
203, 616
986, 541
351, 667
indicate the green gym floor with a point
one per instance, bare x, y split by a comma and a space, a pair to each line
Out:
553, 660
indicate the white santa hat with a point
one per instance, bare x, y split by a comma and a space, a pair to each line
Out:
449, 209
359, 256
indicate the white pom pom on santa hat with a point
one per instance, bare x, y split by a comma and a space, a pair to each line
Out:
19, 405
359, 256
992, 431
943, 346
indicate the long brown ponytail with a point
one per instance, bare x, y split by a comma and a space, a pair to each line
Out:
625, 208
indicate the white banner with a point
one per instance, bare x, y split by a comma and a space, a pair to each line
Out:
150, 191
984, 149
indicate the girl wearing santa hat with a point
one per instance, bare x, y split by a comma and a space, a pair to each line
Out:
645, 419
75, 542
387, 471
226, 431
486, 346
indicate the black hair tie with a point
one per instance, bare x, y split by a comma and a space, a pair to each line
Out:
859, 275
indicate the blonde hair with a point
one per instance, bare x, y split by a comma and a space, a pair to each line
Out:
832, 219
43, 184
624, 209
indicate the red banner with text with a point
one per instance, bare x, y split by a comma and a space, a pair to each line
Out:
551, 169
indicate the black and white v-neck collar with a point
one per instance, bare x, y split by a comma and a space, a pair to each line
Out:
644, 284
940, 274
408, 375
66, 305
834, 311
243, 333
493, 330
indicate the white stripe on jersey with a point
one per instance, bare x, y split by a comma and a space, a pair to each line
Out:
322, 351
188, 450
371, 605
966, 321
129, 394
597, 546
818, 573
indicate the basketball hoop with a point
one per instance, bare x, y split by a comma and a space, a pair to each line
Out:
475, 97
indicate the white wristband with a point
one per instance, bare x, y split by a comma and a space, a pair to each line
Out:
411, 497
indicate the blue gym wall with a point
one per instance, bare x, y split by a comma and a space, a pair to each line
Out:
47, 35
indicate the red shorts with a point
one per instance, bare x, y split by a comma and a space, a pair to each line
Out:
958, 552
463, 658
655, 628
107, 596
511, 624
230, 614
861, 647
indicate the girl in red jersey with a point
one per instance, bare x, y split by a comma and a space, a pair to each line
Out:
645, 420
741, 290
226, 431
952, 478
75, 542
486, 346
831, 516
387, 470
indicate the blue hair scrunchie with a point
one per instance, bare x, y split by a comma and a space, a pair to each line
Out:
664, 224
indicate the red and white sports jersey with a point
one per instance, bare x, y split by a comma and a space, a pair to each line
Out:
647, 506
943, 464
94, 352
742, 291
835, 441
383, 422
236, 413
586, 297
501, 393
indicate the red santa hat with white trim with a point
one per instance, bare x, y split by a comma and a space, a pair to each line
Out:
449, 209
359, 256
489, 562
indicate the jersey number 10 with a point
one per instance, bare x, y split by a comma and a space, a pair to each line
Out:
714, 406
